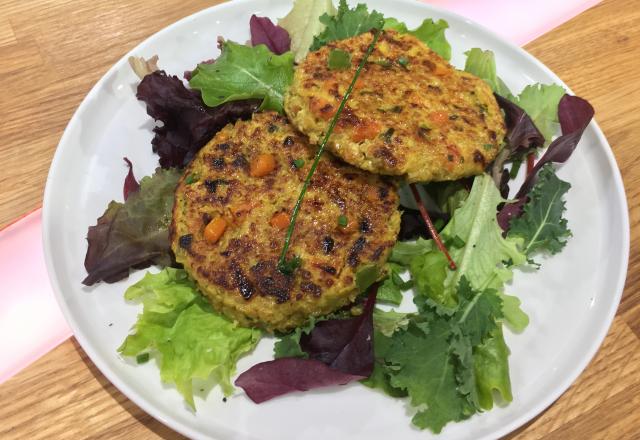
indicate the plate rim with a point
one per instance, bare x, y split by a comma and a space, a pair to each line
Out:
185, 429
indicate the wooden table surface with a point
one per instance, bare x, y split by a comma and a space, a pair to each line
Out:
53, 51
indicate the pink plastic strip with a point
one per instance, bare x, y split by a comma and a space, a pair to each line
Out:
519, 21
30, 320
31, 323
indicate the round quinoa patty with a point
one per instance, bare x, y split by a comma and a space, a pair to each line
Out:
411, 113
348, 220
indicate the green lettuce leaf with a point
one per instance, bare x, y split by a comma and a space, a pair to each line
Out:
303, 24
540, 102
288, 345
243, 72
388, 292
429, 32
542, 226
134, 233
347, 23
485, 250
388, 322
491, 367
482, 63
187, 337
513, 316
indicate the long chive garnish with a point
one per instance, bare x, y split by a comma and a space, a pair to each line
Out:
288, 266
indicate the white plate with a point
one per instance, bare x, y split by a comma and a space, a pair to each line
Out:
571, 300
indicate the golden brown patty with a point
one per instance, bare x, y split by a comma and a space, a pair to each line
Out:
411, 113
238, 272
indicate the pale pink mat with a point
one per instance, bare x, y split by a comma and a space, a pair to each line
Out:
31, 323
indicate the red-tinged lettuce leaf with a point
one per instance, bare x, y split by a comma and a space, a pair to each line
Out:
263, 31
339, 350
131, 185
267, 380
574, 115
344, 344
134, 234
522, 138
188, 124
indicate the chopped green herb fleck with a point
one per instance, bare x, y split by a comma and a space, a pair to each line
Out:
382, 62
488, 146
342, 221
288, 266
191, 178
403, 61
387, 135
394, 109
142, 358
339, 60
298, 163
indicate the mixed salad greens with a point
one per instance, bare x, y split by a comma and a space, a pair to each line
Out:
448, 357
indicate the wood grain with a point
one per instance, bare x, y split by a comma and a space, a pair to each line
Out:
53, 51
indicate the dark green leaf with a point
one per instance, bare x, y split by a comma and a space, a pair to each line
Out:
427, 373
542, 225
347, 23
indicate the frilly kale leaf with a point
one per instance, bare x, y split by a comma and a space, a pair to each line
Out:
541, 226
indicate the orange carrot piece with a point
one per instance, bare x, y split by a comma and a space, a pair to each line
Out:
262, 165
280, 220
214, 230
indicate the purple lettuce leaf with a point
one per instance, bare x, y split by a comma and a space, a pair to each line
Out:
263, 31
188, 124
133, 234
267, 380
131, 185
340, 351
574, 115
522, 137
344, 344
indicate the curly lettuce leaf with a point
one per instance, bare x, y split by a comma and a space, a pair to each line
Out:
542, 226
190, 340
243, 72
347, 23
482, 63
133, 234
429, 32
303, 24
